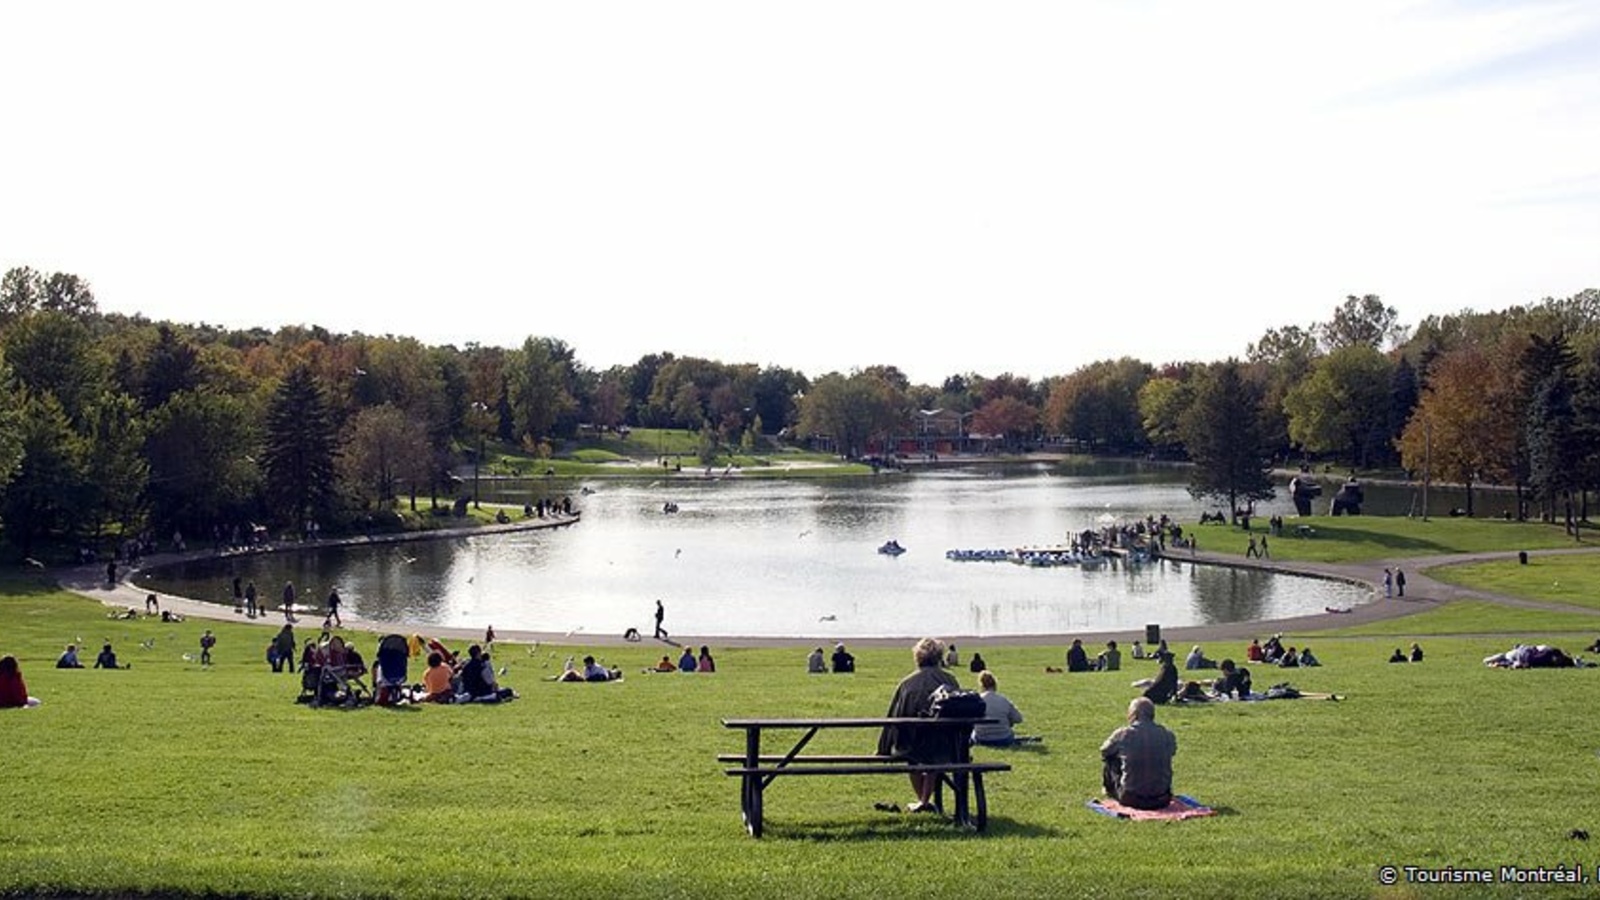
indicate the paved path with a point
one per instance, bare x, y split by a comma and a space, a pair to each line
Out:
1422, 593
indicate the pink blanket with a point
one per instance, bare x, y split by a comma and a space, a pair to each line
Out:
1181, 807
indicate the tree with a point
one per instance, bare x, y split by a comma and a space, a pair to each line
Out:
1361, 322
1550, 426
853, 410
1013, 419
385, 449
1099, 404
10, 427
539, 387
1221, 430
300, 450
49, 489
198, 447
1163, 403
114, 463
50, 352
24, 290
1343, 405
1464, 428
172, 366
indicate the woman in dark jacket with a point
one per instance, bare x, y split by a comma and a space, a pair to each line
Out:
913, 698
1166, 682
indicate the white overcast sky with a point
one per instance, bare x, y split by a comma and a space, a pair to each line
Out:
946, 187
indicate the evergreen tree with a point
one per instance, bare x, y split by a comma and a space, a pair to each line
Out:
1222, 431
49, 489
301, 449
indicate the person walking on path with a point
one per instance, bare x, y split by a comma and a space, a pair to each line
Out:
1252, 551
250, 600
1265, 553
661, 613
288, 601
1388, 583
1400, 581
333, 609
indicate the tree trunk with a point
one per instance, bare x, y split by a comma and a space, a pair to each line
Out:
1469, 498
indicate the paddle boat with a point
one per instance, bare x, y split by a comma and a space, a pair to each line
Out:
891, 548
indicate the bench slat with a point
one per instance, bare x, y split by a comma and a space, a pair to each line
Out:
820, 758
870, 770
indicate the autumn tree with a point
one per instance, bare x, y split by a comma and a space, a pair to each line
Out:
1099, 404
1464, 429
1010, 417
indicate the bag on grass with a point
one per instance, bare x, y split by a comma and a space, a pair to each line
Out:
957, 704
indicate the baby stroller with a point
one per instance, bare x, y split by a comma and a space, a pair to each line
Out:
333, 679
390, 683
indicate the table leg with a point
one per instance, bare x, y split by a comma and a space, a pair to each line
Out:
983, 803
958, 781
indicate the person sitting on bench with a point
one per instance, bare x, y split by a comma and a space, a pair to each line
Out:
913, 698
1138, 759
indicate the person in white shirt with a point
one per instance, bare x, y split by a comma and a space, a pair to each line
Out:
995, 706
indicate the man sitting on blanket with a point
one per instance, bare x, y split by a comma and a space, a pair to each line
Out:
1235, 680
1138, 759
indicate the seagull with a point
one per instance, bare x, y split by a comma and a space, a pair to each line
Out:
148, 645
33, 562
828, 618
677, 553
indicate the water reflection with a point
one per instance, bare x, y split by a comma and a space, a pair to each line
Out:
786, 558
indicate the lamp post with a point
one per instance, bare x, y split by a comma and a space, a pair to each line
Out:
477, 461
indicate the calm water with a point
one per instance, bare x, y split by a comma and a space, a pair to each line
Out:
794, 557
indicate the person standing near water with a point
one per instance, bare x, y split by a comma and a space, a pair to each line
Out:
661, 613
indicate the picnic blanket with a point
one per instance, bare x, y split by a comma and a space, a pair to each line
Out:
1181, 807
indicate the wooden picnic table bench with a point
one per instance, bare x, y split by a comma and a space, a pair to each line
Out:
757, 770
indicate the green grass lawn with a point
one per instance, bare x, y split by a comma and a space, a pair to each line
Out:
1571, 579
173, 779
1353, 538
640, 452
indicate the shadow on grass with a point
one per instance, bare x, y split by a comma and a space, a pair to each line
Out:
900, 827
1403, 544
27, 583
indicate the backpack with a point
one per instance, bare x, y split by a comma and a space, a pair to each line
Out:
951, 703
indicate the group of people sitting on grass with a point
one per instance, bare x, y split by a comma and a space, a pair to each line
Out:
1414, 656
687, 662
843, 661
1274, 653
456, 680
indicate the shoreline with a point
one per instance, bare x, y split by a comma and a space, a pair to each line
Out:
1426, 593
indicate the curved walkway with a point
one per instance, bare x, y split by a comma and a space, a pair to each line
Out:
1422, 593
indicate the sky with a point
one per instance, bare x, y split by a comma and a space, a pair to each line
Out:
944, 187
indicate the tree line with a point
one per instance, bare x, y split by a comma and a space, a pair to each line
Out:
113, 424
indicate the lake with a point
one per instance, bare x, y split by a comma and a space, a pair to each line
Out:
797, 557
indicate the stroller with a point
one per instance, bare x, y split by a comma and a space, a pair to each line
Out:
333, 680
390, 682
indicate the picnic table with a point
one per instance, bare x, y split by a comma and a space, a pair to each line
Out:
757, 770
